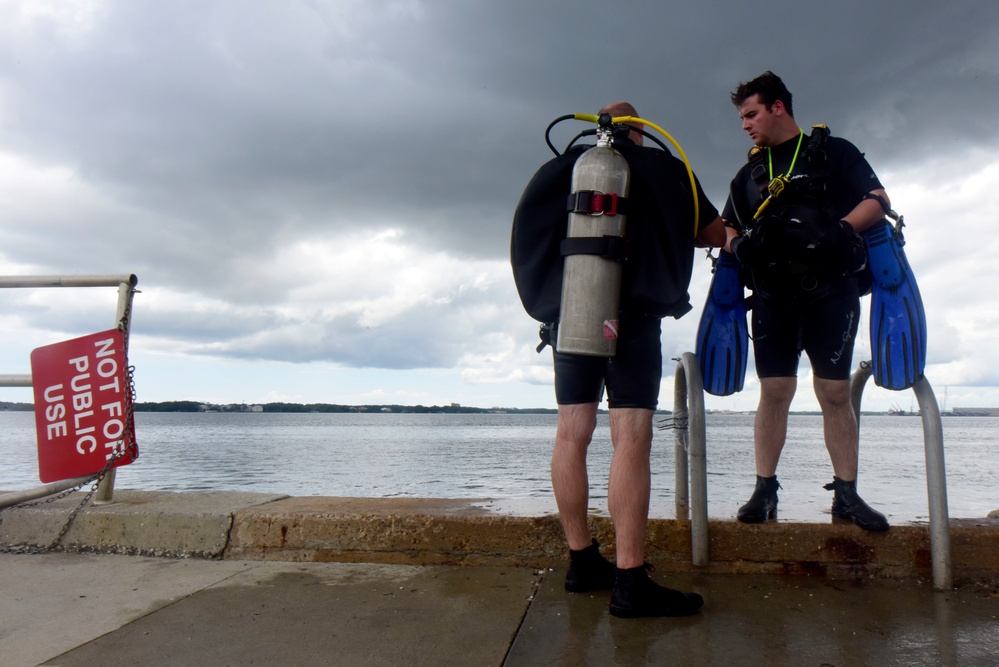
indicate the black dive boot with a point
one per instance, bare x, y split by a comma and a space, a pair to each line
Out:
762, 504
588, 570
847, 504
636, 596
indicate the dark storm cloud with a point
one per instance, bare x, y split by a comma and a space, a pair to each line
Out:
245, 123
204, 138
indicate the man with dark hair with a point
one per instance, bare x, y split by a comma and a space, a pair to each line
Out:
768, 88
794, 211
655, 277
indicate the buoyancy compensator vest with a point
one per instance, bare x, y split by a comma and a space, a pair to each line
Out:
799, 238
652, 252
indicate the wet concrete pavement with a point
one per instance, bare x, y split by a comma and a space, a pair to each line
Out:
87, 609
772, 620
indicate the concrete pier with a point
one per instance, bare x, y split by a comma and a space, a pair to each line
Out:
162, 578
427, 531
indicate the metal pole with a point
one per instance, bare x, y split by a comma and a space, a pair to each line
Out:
936, 478
68, 281
698, 461
857, 383
18, 497
15, 380
122, 319
936, 484
682, 442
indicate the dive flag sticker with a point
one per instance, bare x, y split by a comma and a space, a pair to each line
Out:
610, 329
82, 403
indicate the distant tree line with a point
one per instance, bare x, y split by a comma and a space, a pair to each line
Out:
170, 406
195, 406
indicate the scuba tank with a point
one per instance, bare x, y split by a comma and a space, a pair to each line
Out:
570, 273
591, 283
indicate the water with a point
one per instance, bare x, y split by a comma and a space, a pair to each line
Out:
505, 458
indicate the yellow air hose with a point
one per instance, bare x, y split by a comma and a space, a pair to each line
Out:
593, 118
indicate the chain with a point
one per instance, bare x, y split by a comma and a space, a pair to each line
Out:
122, 449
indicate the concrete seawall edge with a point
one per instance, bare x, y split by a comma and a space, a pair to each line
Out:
425, 531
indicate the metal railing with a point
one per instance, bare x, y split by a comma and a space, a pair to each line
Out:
126, 288
936, 477
691, 444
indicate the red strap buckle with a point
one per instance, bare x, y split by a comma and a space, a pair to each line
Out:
603, 203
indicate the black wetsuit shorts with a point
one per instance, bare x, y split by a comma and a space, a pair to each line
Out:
825, 327
631, 377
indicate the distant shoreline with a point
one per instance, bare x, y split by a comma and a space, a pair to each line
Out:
308, 408
454, 408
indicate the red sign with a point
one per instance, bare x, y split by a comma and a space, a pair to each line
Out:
82, 403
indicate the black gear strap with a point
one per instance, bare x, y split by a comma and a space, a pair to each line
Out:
609, 247
815, 151
879, 199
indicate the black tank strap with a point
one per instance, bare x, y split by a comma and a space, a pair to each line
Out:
609, 247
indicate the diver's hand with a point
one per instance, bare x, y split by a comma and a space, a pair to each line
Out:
743, 247
848, 229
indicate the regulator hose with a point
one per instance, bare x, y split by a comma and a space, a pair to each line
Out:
624, 120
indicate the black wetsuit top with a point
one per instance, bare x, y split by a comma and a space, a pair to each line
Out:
804, 267
797, 236
847, 175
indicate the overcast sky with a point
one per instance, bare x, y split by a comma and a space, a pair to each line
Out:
316, 196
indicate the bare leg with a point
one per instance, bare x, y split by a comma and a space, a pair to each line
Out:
630, 482
569, 479
635, 593
770, 430
839, 425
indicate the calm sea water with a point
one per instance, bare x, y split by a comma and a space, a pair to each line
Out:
505, 458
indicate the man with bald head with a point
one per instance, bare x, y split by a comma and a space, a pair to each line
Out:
660, 240
622, 110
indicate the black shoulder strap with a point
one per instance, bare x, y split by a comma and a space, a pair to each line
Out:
816, 151
818, 164
757, 170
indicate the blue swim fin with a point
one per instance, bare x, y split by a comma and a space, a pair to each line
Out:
722, 335
898, 321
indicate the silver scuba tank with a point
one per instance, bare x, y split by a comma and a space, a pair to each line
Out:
591, 284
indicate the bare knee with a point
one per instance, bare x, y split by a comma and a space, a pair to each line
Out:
631, 428
777, 392
576, 424
832, 393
